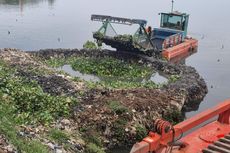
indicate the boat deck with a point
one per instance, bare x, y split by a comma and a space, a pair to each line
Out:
211, 138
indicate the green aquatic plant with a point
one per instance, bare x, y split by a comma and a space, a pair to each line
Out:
56, 62
30, 103
8, 125
111, 67
124, 37
174, 78
90, 45
99, 36
114, 73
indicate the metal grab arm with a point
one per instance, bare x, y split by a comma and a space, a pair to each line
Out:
117, 20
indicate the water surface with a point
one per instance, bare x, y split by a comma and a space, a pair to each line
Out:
155, 76
87, 77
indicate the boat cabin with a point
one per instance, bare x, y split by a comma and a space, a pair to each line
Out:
175, 20
172, 31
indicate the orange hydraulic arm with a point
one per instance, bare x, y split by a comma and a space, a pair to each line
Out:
155, 141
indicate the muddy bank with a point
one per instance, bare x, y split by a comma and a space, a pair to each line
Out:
143, 105
111, 117
191, 85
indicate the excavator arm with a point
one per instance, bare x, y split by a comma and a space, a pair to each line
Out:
140, 42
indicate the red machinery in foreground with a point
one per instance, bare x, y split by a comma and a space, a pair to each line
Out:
213, 137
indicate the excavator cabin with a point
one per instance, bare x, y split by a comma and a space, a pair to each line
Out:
175, 20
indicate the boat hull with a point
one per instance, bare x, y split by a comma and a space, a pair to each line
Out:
187, 47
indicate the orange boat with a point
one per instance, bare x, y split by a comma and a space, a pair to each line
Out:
171, 38
212, 137
180, 59
189, 46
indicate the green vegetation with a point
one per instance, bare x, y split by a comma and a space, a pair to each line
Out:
174, 78
56, 62
90, 45
114, 73
99, 36
8, 126
141, 132
93, 148
111, 67
119, 129
117, 108
94, 138
58, 136
24, 102
29, 101
94, 142
174, 116
124, 38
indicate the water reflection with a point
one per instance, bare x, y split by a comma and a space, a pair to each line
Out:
181, 59
87, 77
51, 2
21, 4
155, 77
25, 2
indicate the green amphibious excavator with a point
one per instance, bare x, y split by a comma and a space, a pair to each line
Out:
169, 40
